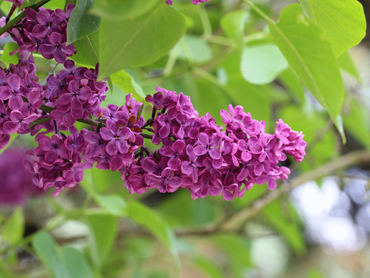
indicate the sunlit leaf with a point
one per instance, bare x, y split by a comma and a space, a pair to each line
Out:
87, 50
13, 228
311, 57
343, 22
6, 58
127, 84
210, 267
261, 64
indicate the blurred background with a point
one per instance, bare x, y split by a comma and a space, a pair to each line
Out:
318, 230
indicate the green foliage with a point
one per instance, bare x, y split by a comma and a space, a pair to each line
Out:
210, 267
13, 229
261, 64
6, 58
346, 63
87, 50
139, 41
152, 221
127, 84
82, 24
233, 25
122, 9
311, 57
343, 22
103, 231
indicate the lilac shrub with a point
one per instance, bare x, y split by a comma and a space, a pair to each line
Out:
194, 152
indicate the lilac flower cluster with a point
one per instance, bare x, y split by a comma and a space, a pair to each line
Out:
45, 31
197, 154
15, 180
195, 2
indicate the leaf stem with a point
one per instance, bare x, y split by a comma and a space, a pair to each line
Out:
260, 12
19, 17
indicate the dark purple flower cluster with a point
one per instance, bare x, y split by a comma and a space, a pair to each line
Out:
75, 93
197, 154
15, 180
45, 31
20, 97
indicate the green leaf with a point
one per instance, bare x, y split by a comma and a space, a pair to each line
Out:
311, 57
261, 64
210, 267
293, 84
12, 138
112, 203
87, 50
13, 228
233, 25
122, 9
127, 84
358, 124
26, 3
140, 41
193, 48
103, 228
55, 4
76, 263
343, 22
346, 63
81, 24
237, 253
148, 218
50, 255
274, 214
6, 58
315, 274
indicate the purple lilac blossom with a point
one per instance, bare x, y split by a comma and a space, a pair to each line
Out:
16, 184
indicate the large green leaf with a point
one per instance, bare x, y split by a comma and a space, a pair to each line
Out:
50, 255
311, 57
122, 9
76, 263
81, 24
147, 217
233, 25
293, 84
262, 63
113, 203
139, 41
127, 84
103, 229
87, 50
13, 228
342, 21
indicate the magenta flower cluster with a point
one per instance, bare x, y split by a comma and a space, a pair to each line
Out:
45, 31
199, 155
195, 153
15, 180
